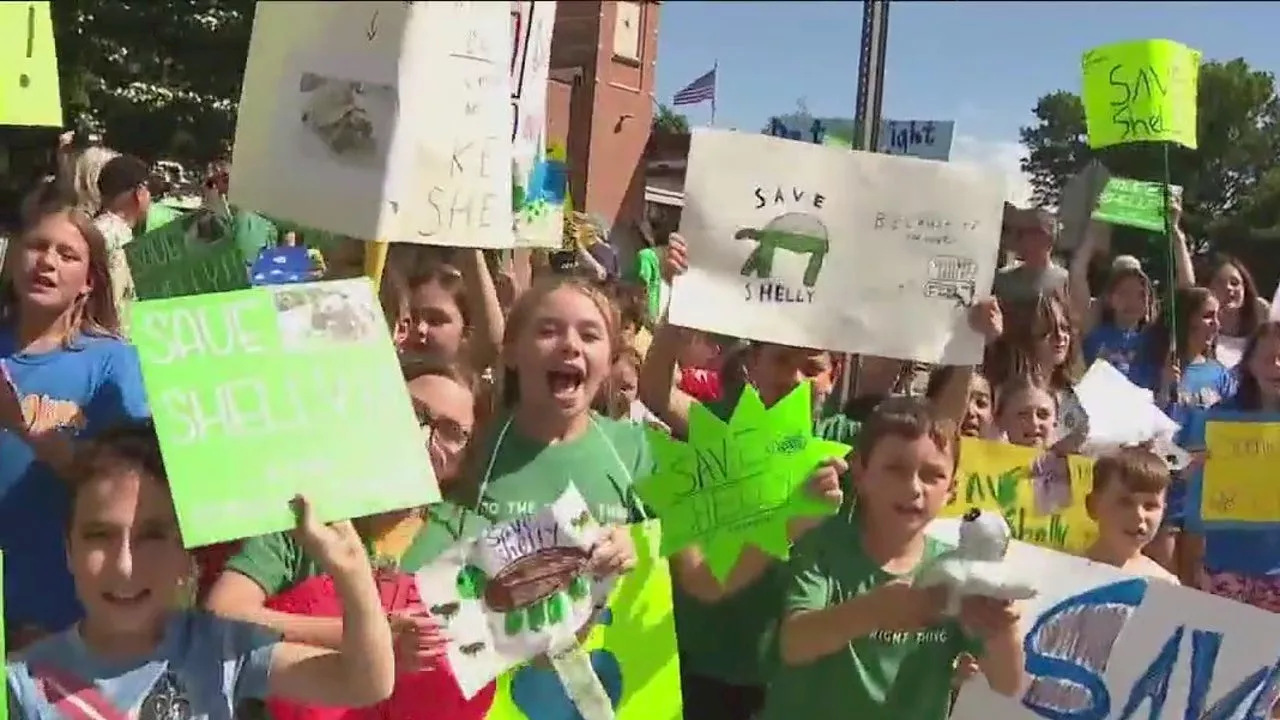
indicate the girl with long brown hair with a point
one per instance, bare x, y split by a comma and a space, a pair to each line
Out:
67, 374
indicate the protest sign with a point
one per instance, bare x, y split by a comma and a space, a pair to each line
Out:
325, 136
925, 139
267, 393
171, 261
1141, 91
1041, 506
1103, 643
632, 647
738, 482
518, 590
1079, 198
540, 182
1135, 203
811, 246
1237, 488
29, 94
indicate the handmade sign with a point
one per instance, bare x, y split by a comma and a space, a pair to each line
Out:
29, 91
1102, 643
539, 183
171, 261
326, 138
1141, 91
924, 139
811, 246
267, 393
1237, 490
1135, 203
1079, 198
517, 591
738, 482
632, 647
284, 266
1041, 504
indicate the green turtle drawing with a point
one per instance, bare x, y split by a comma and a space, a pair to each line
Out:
795, 232
535, 591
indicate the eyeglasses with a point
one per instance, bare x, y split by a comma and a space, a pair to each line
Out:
449, 431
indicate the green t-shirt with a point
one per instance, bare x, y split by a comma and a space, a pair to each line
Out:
883, 676
602, 464
276, 562
735, 640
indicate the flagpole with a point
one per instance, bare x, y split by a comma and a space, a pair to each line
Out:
715, 87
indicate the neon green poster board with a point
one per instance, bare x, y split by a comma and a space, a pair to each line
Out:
1134, 203
28, 66
263, 394
739, 482
171, 262
1141, 91
632, 649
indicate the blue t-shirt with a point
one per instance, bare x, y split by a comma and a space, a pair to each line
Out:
1252, 553
1202, 386
1125, 350
79, 390
204, 668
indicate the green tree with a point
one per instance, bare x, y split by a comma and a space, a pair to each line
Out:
157, 79
670, 122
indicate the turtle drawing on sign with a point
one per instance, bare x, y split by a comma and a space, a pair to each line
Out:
952, 278
795, 232
533, 592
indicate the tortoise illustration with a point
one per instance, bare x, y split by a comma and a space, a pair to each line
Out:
535, 591
795, 232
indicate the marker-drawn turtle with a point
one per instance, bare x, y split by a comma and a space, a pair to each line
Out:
795, 232
535, 591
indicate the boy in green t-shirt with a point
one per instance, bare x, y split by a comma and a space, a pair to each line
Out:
856, 639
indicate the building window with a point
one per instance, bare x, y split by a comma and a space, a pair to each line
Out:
628, 27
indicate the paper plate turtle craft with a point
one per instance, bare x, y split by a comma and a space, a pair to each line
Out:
800, 233
976, 567
534, 592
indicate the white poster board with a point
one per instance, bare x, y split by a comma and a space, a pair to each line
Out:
379, 120
925, 139
540, 222
1102, 644
811, 246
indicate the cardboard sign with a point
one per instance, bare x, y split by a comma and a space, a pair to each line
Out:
924, 139
379, 120
811, 246
264, 394
1102, 644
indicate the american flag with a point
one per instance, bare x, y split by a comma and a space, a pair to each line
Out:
700, 90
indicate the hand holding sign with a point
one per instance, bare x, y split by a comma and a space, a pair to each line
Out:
738, 482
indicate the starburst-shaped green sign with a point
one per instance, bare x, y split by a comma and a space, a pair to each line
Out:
738, 482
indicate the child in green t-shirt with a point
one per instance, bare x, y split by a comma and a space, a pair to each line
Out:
857, 640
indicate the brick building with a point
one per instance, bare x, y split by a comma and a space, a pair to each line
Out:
600, 105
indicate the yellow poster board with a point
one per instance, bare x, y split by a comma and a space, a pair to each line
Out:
29, 85
1000, 477
1240, 472
1141, 91
633, 651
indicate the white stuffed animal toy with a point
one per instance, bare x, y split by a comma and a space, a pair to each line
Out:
976, 567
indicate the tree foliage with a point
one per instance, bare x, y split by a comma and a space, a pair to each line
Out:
1232, 181
670, 122
156, 79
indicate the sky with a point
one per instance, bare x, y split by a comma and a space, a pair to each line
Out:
981, 64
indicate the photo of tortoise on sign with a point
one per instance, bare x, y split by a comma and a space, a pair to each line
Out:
517, 591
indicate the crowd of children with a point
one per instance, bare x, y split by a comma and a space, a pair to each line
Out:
525, 377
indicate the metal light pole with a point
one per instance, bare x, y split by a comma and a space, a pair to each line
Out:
871, 61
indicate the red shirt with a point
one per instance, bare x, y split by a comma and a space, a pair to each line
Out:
701, 384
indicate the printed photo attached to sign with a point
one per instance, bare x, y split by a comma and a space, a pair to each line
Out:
515, 592
174, 261
811, 246
1102, 643
264, 394
539, 183
924, 139
1237, 490
1041, 495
